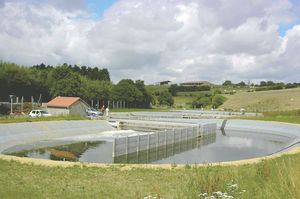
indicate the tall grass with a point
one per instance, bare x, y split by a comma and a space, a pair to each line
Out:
275, 178
279, 116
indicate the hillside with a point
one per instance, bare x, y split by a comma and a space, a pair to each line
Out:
286, 99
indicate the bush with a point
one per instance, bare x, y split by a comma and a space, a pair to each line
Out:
4, 110
218, 100
165, 98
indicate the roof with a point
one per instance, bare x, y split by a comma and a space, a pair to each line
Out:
197, 82
64, 101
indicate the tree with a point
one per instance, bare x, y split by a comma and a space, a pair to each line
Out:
165, 98
173, 89
103, 75
202, 100
270, 83
218, 100
127, 91
66, 83
241, 84
227, 83
263, 83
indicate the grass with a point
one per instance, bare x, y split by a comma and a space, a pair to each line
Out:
276, 178
286, 99
292, 116
7, 119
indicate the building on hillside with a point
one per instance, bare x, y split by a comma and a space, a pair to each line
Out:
196, 83
163, 83
67, 106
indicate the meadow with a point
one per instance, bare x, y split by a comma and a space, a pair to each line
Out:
263, 101
272, 178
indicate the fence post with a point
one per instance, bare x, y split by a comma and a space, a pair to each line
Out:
173, 136
187, 132
166, 137
31, 102
126, 145
148, 144
157, 139
22, 104
114, 148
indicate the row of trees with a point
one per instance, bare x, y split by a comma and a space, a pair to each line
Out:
269, 85
91, 73
66, 80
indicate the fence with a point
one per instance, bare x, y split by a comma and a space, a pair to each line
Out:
136, 143
159, 153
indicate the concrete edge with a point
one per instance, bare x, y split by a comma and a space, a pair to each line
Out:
52, 163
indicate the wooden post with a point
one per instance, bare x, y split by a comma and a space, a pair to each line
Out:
32, 102
114, 148
22, 104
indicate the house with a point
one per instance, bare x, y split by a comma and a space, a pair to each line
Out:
195, 83
163, 83
67, 106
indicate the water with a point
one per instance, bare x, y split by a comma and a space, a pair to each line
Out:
224, 146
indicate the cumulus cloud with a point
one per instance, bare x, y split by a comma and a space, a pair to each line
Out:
158, 40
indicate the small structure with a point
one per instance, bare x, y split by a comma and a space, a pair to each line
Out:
67, 106
163, 83
196, 83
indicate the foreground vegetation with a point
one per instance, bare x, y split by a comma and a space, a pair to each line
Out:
276, 178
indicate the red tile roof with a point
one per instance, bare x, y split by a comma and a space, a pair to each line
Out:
64, 101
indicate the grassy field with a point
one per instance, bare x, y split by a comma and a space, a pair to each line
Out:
287, 99
275, 178
262, 101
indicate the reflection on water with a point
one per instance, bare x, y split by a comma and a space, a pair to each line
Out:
70, 152
224, 146
155, 154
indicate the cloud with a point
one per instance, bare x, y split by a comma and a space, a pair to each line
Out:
157, 40
69, 5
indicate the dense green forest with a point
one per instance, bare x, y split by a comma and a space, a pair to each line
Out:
70, 81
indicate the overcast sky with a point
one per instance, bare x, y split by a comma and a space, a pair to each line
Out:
156, 40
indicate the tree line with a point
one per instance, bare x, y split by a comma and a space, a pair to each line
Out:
70, 81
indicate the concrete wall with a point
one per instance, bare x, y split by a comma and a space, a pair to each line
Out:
141, 142
58, 111
162, 152
78, 108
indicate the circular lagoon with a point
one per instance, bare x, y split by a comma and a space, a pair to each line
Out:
223, 146
94, 141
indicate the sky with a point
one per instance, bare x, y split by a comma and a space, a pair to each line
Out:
158, 40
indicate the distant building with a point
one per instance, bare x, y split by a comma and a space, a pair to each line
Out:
196, 83
163, 83
67, 106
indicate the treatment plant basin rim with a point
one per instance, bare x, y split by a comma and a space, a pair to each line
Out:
291, 131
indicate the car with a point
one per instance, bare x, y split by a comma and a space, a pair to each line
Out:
39, 113
93, 112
